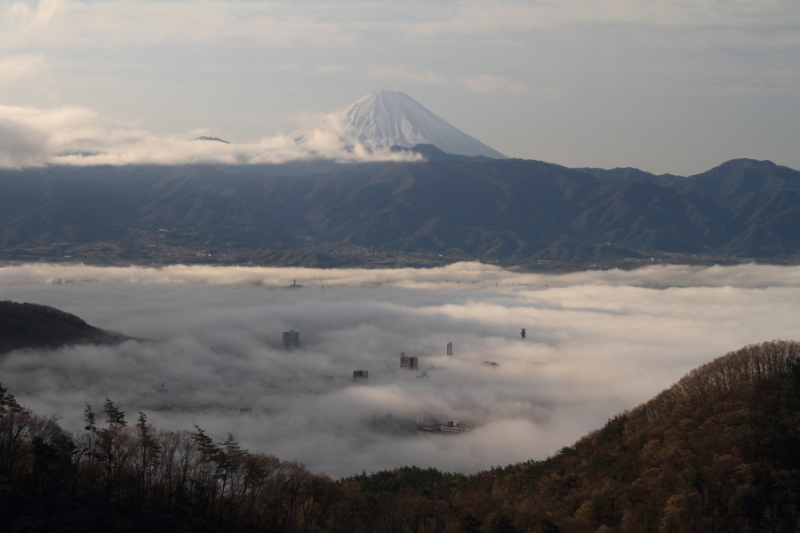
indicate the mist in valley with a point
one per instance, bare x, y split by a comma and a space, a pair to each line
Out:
208, 352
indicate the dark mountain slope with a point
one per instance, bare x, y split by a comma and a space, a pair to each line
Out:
63, 204
645, 216
448, 204
739, 176
502, 207
27, 325
734, 177
66, 204
629, 174
485, 208
769, 222
219, 205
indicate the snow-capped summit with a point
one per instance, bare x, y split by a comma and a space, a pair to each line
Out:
385, 119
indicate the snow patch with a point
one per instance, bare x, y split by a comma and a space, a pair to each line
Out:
384, 119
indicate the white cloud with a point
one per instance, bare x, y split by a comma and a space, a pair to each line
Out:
598, 343
650, 66
78, 136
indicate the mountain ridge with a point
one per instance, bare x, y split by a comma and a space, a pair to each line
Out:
475, 207
733, 177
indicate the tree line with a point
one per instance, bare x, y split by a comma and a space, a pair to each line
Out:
113, 476
716, 452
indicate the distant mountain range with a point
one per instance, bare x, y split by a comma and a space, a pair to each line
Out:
736, 177
468, 206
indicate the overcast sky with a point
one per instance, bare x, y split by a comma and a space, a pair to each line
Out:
663, 85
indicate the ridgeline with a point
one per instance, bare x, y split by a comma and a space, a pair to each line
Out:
390, 214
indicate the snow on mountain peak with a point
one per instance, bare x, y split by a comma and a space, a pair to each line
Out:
384, 119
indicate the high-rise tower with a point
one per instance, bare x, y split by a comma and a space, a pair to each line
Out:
409, 363
291, 339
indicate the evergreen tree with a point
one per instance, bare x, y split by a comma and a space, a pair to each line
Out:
116, 418
7, 401
89, 418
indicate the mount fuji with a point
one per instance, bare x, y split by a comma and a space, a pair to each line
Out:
386, 119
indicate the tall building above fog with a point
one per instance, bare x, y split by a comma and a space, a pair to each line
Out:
408, 363
291, 339
450, 349
453, 427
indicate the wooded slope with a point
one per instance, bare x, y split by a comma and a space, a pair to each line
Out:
715, 452
28, 325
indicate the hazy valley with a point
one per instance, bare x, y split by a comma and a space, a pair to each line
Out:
597, 343
208, 354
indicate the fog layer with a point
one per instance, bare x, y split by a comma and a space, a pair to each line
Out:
597, 343
32, 137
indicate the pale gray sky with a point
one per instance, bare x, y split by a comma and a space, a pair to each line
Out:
663, 85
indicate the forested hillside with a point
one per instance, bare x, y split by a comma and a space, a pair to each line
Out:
28, 325
715, 452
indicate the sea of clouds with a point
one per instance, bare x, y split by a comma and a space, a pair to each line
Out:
598, 343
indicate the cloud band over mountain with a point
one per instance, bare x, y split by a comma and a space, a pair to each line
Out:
366, 130
32, 137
